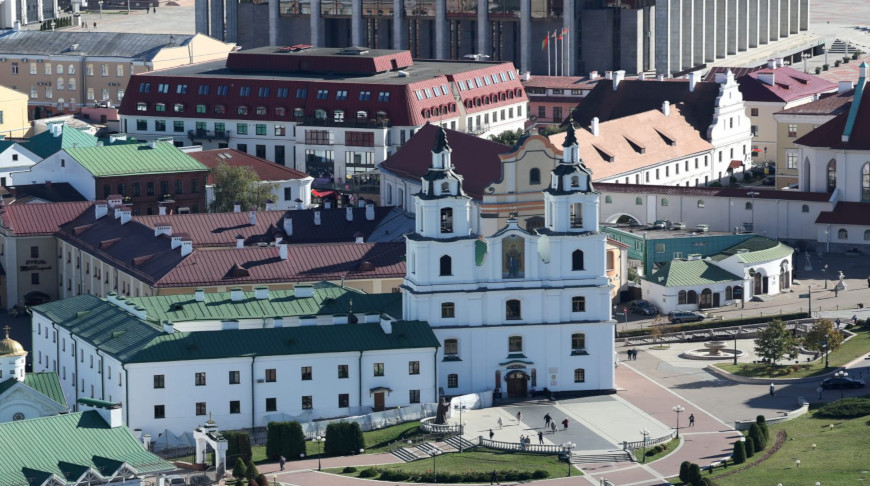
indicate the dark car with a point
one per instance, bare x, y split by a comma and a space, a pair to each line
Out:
841, 382
642, 307
685, 316
768, 181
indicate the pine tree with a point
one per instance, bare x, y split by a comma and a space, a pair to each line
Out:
239, 469
757, 437
739, 454
252, 472
749, 445
684, 471
694, 474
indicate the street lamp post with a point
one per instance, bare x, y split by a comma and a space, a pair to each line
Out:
752, 194
825, 269
736, 332
826, 350
320, 440
100, 3
461, 424
568, 446
841, 374
678, 409
645, 433
435, 453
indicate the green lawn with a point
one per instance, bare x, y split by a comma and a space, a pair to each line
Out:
851, 349
481, 460
840, 456
378, 441
672, 446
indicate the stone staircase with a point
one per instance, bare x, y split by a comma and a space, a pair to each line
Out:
460, 443
601, 456
840, 47
424, 450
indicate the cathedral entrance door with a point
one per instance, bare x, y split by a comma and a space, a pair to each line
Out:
379, 402
516, 384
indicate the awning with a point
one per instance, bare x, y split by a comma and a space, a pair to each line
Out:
322, 193
516, 374
736, 164
380, 389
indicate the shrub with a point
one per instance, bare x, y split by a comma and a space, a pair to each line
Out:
739, 454
284, 439
684, 471
845, 408
343, 438
238, 445
818, 69
650, 452
659, 448
239, 469
368, 473
837, 63
349, 469
540, 474
825, 67
694, 473
756, 436
262, 481
732, 179
252, 472
846, 59
749, 445
715, 184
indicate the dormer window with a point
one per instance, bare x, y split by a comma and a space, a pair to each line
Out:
446, 220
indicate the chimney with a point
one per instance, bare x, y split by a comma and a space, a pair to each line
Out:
361, 203
527, 75
618, 76
140, 312
253, 218
100, 210
844, 86
299, 204
660, 77
186, 247
240, 241
261, 293
593, 75
117, 212
288, 224
161, 210
237, 207
270, 205
152, 144
236, 294
348, 213
386, 324
316, 218
780, 62
199, 295
359, 237
57, 129
126, 216
767, 77
115, 200
595, 128
303, 291
771, 64
608, 74
327, 204
162, 229
174, 242
109, 411
168, 327
666, 108
370, 211
693, 78
282, 251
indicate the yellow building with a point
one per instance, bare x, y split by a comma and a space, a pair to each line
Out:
61, 71
13, 113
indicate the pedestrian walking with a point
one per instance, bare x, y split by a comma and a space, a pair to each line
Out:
838, 323
500, 423
772, 389
553, 426
868, 282
854, 319
819, 390
281, 462
491, 434
522, 443
634, 354
565, 424
540, 437
519, 417
691, 420
95, 25
493, 478
836, 289
547, 420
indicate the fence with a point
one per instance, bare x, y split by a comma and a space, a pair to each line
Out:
549, 449
427, 426
630, 446
372, 421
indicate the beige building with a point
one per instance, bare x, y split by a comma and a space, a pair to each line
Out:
61, 71
13, 113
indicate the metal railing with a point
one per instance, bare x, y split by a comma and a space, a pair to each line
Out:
200, 134
630, 446
550, 449
344, 122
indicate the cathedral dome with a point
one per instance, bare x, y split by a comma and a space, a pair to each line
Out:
11, 347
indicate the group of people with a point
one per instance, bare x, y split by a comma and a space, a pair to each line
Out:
632, 354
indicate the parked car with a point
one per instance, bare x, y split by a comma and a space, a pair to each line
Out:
841, 382
642, 307
679, 317
768, 181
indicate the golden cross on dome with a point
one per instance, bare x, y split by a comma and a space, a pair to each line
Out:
6, 328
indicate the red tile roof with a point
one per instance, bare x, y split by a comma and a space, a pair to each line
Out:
830, 134
608, 187
266, 171
789, 83
846, 213
827, 104
40, 218
305, 263
476, 159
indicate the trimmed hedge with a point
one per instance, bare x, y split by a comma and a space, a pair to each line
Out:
705, 325
238, 445
344, 438
845, 408
284, 439
452, 478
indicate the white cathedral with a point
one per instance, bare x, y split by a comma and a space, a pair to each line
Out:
515, 311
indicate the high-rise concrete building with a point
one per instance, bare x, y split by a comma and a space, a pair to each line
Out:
666, 36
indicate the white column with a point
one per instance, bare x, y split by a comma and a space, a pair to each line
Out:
525, 34
742, 20
699, 33
570, 53
40, 17
484, 40
711, 31
273, 22
440, 29
314, 17
753, 23
356, 33
775, 12
763, 21
732, 21
399, 25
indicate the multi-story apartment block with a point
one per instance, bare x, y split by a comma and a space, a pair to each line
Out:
61, 71
331, 113
668, 36
552, 98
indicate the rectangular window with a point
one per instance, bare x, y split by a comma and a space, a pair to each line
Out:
301, 92
200, 408
660, 247
283, 92
14, 68
260, 151
164, 187
263, 92
319, 137
365, 95
34, 279
203, 89
359, 139
413, 367
306, 373
343, 400
104, 69
413, 396
753, 112
792, 130
754, 130
271, 404
343, 371
378, 369
199, 379
307, 402
453, 380
223, 90
245, 91
235, 406
261, 129
241, 128
791, 160
384, 96
159, 125
149, 188
322, 94
234, 378
271, 375
159, 381
159, 411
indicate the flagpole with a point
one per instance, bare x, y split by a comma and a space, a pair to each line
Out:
568, 53
556, 58
548, 52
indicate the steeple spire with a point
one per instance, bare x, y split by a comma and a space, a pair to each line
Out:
570, 147
441, 142
441, 151
571, 137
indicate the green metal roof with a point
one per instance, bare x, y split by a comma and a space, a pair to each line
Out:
46, 144
132, 340
67, 446
134, 159
5, 385
328, 299
687, 273
48, 384
757, 249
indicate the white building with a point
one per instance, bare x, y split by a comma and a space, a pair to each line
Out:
26, 395
14, 158
513, 310
240, 357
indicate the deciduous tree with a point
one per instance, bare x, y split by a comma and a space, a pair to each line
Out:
775, 342
239, 184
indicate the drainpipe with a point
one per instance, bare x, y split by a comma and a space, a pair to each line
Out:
76, 361
127, 395
253, 405
359, 379
435, 372
102, 376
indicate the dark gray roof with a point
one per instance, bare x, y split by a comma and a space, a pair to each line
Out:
99, 44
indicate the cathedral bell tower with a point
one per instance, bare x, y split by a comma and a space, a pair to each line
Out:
443, 210
570, 202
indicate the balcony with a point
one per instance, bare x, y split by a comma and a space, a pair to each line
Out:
199, 134
479, 129
345, 123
